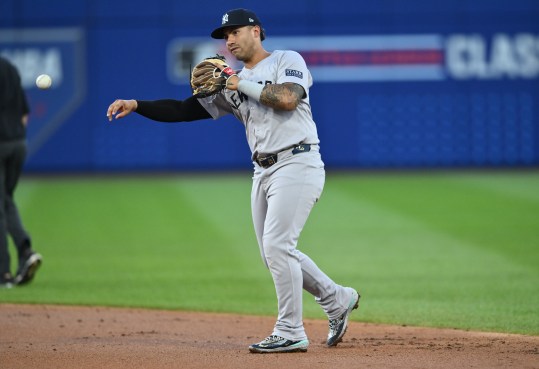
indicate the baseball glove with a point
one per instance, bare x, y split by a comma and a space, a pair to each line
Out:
210, 75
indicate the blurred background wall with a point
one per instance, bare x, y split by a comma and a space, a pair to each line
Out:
397, 84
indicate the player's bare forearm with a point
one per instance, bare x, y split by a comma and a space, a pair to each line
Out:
282, 96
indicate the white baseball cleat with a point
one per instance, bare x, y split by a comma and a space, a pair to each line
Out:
279, 344
337, 327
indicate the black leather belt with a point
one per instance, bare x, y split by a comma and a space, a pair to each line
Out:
267, 160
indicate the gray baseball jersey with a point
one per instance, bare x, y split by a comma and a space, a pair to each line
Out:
283, 194
269, 130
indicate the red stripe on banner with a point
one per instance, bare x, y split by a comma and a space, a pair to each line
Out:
384, 57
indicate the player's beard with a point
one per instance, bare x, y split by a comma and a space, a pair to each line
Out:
244, 52
241, 55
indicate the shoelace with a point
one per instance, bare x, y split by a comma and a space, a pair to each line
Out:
334, 323
272, 339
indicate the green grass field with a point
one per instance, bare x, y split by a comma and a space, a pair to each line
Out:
443, 249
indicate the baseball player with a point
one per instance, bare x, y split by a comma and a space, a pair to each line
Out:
270, 96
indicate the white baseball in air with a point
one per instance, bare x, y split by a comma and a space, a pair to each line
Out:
43, 81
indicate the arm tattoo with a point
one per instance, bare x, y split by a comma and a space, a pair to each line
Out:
285, 96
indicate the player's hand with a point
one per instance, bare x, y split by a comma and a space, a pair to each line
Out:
120, 108
232, 82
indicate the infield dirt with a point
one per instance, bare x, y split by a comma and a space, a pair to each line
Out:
49, 336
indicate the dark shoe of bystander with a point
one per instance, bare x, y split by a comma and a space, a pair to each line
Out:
27, 268
6, 280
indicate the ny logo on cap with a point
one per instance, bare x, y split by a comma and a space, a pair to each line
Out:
225, 19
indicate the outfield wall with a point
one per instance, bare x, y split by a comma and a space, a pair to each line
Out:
413, 84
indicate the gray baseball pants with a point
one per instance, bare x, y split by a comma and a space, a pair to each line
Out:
281, 199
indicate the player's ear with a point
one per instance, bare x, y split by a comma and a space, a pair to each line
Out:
258, 32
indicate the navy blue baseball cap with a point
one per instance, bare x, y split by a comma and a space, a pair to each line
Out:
238, 17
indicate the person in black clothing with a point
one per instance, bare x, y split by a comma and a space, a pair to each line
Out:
13, 119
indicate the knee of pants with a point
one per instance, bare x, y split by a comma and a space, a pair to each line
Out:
278, 254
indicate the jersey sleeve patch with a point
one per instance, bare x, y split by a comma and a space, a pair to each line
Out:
294, 73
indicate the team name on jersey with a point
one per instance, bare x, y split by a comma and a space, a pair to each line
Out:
238, 97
